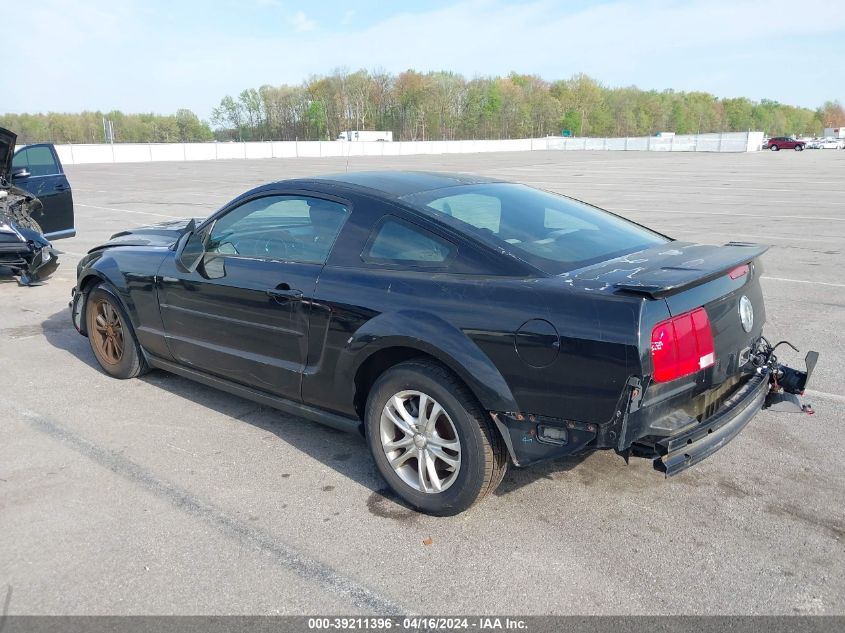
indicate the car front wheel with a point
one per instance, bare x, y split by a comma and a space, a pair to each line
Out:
774, 148
431, 440
799, 148
110, 335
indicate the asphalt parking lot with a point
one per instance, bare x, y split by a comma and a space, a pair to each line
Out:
161, 496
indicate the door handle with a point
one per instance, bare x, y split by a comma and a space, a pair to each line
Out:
283, 293
61, 187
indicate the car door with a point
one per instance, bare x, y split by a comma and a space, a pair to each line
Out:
38, 170
243, 313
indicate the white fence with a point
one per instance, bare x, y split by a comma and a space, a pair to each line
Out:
718, 142
154, 152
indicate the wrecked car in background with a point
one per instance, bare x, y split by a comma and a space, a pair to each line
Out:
36, 206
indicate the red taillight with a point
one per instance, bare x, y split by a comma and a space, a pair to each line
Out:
682, 345
739, 271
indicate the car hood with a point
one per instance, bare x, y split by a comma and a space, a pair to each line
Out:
7, 151
162, 234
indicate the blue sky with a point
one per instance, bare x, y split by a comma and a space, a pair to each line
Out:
158, 55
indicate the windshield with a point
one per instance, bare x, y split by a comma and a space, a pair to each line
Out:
551, 232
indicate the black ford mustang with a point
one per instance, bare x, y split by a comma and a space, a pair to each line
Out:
458, 322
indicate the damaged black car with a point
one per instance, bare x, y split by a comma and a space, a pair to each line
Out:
36, 206
461, 324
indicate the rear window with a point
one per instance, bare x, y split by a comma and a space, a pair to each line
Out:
552, 232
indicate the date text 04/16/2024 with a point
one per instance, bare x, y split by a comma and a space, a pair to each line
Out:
480, 623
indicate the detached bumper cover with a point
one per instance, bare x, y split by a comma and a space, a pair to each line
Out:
681, 451
75, 305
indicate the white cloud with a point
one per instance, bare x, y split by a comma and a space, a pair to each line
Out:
301, 22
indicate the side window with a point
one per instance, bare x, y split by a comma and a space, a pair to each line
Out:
38, 160
21, 159
397, 242
292, 228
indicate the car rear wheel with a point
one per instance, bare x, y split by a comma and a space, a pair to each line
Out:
110, 335
431, 440
774, 148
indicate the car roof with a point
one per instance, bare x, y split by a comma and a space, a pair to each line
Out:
400, 183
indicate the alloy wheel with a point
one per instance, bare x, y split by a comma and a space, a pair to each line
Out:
107, 333
420, 441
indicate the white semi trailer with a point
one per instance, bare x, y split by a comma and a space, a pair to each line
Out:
835, 132
365, 135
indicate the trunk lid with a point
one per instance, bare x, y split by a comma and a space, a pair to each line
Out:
684, 276
675, 280
666, 269
726, 300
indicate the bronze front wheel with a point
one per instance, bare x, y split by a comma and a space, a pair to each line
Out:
111, 336
107, 333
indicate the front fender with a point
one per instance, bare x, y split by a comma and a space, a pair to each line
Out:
131, 272
434, 336
100, 266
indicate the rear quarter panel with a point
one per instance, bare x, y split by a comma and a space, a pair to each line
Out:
469, 322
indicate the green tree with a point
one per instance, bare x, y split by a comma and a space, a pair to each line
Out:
190, 129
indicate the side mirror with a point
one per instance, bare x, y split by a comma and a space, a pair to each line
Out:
189, 251
20, 173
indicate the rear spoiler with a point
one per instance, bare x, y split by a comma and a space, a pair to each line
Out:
668, 280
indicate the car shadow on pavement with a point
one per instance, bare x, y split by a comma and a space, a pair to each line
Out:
517, 478
345, 453
60, 333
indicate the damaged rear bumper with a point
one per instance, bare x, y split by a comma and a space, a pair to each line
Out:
534, 438
681, 451
774, 385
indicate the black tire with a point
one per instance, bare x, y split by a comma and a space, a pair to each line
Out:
129, 363
483, 455
774, 148
799, 148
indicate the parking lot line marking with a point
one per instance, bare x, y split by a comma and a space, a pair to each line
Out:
182, 499
765, 238
745, 215
803, 281
160, 215
570, 179
61, 251
826, 396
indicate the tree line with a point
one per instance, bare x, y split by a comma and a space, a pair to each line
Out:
438, 106
87, 127
446, 106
